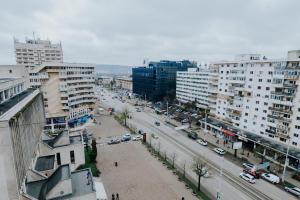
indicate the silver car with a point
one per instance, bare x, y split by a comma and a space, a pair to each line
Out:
293, 190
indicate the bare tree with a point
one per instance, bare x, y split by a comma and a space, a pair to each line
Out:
173, 158
199, 167
183, 167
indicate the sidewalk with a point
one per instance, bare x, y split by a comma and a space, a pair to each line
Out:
241, 156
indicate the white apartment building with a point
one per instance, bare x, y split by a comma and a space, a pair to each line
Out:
34, 52
192, 86
68, 90
259, 95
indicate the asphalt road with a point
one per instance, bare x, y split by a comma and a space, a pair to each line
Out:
172, 141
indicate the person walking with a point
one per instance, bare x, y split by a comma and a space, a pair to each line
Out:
113, 196
117, 198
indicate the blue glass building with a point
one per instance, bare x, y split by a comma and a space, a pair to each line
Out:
158, 79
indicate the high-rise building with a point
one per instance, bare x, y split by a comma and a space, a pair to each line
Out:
259, 96
158, 79
192, 86
34, 52
68, 90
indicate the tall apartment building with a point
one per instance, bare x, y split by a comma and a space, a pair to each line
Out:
158, 79
34, 52
68, 90
192, 86
259, 95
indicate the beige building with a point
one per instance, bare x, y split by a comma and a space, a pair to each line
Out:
68, 90
124, 83
32, 53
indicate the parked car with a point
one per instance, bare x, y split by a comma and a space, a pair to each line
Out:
252, 172
138, 110
202, 142
193, 135
293, 190
271, 178
136, 138
219, 151
141, 132
157, 123
184, 121
113, 141
247, 177
248, 165
154, 136
126, 137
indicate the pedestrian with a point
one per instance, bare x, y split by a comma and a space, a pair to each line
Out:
248, 154
116, 164
182, 198
117, 198
113, 196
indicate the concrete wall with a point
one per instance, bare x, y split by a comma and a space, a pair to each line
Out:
18, 141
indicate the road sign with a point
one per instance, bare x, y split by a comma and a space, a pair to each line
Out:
237, 145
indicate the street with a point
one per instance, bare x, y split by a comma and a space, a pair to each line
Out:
171, 141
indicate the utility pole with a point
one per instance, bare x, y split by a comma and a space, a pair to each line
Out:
205, 120
286, 160
167, 110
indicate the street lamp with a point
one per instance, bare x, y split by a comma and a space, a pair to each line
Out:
286, 159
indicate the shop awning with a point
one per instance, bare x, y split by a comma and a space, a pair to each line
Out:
227, 132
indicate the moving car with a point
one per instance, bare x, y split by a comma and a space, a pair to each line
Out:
113, 141
126, 137
248, 165
157, 123
271, 178
202, 142
247, 177
293, 190
219, 151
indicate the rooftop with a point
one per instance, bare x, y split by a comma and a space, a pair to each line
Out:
7, 105
63, 138
63, 182
44, 163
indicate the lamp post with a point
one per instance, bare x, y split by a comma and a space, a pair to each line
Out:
286, 160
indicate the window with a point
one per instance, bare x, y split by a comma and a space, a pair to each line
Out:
265, 103
259, 87
296, 135
257, 102
270, 73
267, 88
265, 111
256, 109
297, 127
246, 114
251, 72
250, 79
258, 95
260, 80
58, 159
269, 80
298, 118
263, 118
245, 120
72, 156
294, 143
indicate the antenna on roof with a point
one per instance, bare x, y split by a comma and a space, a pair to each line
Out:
33, 35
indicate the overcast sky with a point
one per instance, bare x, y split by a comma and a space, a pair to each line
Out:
127, 31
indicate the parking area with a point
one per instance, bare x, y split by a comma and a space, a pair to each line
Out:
138, 175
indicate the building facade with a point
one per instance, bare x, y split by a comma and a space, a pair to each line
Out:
158, 80
34, 52
124, 83
192, 86
259, 96
68, 90
14, 80
21, 124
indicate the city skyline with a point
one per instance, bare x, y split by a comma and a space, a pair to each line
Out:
116, 32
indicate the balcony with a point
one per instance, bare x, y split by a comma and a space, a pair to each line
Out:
280, 118
285, 103
281, 110
283, 93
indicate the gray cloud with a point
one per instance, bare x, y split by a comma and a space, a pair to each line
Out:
127, 31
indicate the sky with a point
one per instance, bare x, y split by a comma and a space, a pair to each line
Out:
126, 32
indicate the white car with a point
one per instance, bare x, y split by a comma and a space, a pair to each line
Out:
247, 177
219, 151
293, 190
271, 178
154, 136
202, 142
248, 165
136, 138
